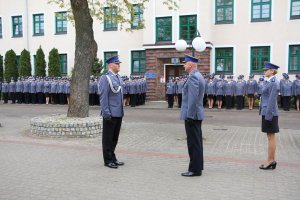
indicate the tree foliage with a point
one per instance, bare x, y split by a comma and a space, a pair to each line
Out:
54, 63
10, 62
40, 63
97, 67
1, 68
25, 64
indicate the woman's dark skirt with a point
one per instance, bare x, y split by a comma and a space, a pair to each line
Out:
210, 96
219, 97
298, 97
250, 95
47, 94
270, 126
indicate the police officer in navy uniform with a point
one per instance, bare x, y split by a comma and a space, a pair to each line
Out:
170, 87
296, 90
269, 112
12, 90
286, 91
5, 91
111, 101
192, 112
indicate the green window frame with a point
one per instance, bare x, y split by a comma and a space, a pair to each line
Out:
61, 23
0, 27
38, 24
107, 55
224, 11
110, 21
17, 26
294, 58
63, 58
259, 56
188, 27
261, 10
163, 29
137, 16
138, 61
295, 9
224, 60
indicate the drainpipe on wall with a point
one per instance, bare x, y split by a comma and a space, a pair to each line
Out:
27, 25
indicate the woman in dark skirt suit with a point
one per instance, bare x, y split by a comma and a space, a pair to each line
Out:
269, 112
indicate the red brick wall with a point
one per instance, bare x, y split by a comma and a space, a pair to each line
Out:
155, 60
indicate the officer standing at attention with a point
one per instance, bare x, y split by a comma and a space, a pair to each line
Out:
286, 91
19, 91
170, 93
12, 90
269, 112
5, 91
111, 101
192, 112
296, 90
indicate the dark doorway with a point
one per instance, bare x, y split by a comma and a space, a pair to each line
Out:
173, 71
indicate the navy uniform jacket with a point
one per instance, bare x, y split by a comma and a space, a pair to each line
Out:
91, 88
47, 87
39, 86
61, 87
32, 87
5, 88
192, 97
268, 105
19, 86
53, 88
132, 87
286, 88
26, 86
240, 88
111, 102
170, 88
179, 87
251, 87
296, 87
229, 88
259, 87
67, 87
219, 88
210, 88
12, 87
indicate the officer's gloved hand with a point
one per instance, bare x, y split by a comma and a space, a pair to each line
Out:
190, 121
107, 118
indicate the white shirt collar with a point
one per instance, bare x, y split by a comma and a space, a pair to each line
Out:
268, 79
112, 72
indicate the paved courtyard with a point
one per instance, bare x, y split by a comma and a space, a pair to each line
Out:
152, 144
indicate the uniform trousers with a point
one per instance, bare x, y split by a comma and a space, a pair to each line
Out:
5, 97
286, 103
195, 145
179, 100
239, 102
40, 97
170, 100
33, 98
228, 100
26, 97
19, 97
110, 136
132, 100
91, 99
13, 97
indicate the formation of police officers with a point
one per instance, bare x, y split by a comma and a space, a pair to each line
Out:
56, 90
227, 92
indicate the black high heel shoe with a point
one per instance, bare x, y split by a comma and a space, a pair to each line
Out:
272, 165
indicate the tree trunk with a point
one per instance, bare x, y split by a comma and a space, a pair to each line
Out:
85, 53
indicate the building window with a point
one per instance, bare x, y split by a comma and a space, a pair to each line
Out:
109, 54
137, 16
17, 26
188, 27
163, 29
61, 22
224, 60
38, 24
138, 61
63, 64
110, 20
0, 27
224, 11
261, 10
259, 56
295, 9
294, 58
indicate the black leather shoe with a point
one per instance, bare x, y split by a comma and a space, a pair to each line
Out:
119, 163
272, 165
111, 165
191, 174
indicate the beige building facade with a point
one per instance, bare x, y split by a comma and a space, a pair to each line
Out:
241, 35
